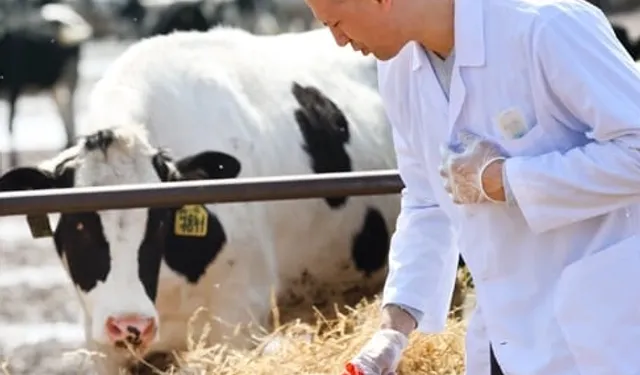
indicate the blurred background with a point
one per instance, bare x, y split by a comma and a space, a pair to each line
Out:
47, 70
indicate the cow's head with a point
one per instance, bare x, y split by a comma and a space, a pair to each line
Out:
113, 257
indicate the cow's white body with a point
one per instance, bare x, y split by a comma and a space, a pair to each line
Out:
230, 91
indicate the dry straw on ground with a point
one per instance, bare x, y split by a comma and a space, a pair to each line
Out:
324, 347
321, 348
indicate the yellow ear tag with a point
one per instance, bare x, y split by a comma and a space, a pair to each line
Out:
191, 221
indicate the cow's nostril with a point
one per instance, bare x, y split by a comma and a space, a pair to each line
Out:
133, 330
113, 329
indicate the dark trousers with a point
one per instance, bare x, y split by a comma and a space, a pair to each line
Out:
495, 367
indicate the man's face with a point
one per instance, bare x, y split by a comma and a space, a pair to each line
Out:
368, 25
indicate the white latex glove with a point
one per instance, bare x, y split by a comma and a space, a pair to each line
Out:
462, 168
381, 354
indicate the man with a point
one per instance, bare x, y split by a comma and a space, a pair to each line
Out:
517, 131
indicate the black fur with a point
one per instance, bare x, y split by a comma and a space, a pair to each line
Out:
325, 131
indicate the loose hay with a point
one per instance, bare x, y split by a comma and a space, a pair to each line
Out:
325, 347
322, 348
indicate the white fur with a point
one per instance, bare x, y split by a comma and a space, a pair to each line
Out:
228, 90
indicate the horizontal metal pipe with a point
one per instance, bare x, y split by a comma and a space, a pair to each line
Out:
176, 194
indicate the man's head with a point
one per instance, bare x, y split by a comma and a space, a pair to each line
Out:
383, 27
368, 25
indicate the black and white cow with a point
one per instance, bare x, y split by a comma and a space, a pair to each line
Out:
227, 104
40, 50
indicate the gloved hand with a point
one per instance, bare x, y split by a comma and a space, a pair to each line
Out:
381, 354
462, 168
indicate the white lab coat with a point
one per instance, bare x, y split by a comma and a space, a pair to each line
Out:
556, 276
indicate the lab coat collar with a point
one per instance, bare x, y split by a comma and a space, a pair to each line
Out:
468, 35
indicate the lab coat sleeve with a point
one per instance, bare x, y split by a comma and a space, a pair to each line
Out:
422, 261
594, 88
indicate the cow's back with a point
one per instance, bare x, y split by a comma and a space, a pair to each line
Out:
231, 91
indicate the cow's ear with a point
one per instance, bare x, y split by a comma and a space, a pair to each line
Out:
32, 178
164, 166
209, 165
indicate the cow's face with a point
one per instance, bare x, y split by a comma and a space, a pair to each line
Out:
113, 257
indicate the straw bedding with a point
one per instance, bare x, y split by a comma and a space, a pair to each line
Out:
323, 347
312, 344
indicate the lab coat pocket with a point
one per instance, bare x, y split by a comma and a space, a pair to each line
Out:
532, 143
597, 306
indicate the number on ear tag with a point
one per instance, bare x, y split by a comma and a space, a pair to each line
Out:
191, 221
39, 226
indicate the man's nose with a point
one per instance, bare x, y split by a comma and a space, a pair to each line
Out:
339, 36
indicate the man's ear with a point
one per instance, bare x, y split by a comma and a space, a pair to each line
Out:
31, 178
209, 165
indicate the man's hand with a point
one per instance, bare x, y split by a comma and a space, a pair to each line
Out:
381, 354
473, 174
393, 317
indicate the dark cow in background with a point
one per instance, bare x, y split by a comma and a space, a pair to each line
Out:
180, 16
304, 106
183, 15
40, 50
633, 47
133, 13
608, 7
257, 16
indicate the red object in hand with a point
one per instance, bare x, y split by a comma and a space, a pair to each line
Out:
351, 369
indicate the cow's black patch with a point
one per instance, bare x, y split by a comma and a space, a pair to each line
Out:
325, 131
191, 255
152, 249
100, 140
371, 245
80, 238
